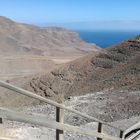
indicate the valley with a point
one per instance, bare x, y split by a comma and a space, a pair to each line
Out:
28, 49
57, 64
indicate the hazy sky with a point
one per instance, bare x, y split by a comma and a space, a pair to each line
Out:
61, 11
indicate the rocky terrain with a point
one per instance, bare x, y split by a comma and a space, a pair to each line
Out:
109, 107
17, 38
104, 84
116, 68
27, 49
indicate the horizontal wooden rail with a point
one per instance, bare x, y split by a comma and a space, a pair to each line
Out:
133, 127
3, 138
35, 96
42, 121
134, 136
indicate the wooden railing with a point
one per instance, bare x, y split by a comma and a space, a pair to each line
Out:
58, 124
132, 132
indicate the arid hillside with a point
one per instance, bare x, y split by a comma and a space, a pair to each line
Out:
116, 68
27, 49
16, 38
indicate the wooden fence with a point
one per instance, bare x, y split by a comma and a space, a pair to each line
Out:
59, 124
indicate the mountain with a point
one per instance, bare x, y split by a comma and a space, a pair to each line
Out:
28, 49
117, 25
28, 39
115, 68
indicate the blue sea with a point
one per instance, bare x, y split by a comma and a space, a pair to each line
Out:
106, 39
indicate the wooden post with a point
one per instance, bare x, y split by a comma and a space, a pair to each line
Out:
1, 131
59, 118
99, 129
0, 120
121, 134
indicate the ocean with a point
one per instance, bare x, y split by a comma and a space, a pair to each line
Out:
106, 39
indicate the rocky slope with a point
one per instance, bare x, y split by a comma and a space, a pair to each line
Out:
115, 72
95, 104
28, 39
27, 49
116, 68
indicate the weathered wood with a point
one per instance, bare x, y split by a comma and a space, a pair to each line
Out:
1, 130
134, 136
0, 120
35, 96
121, 134
99, 130
135, 126
4, 138
59, 118
42, 121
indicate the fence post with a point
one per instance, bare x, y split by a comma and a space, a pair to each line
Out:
1, 132
99, 129
121, 134
59, 118
0, 120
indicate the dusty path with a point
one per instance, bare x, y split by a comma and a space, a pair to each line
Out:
17, 66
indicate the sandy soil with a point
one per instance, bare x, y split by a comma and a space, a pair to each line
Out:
16, 66
28, 49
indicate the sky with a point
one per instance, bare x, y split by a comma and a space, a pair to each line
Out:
70, 11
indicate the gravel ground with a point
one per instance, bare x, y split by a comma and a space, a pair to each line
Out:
90, 104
